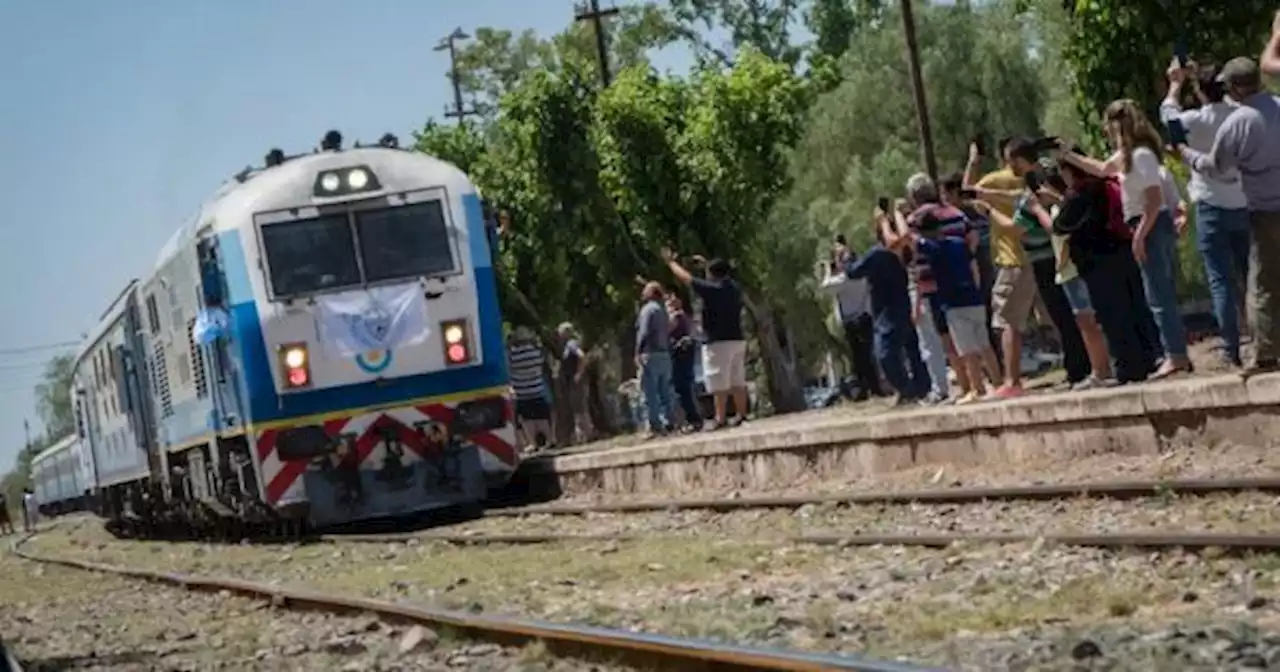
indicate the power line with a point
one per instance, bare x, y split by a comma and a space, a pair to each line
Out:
39, 348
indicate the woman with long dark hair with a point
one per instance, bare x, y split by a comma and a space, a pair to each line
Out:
1100, 245
1137, 165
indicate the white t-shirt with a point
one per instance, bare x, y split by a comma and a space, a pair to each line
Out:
1142, 175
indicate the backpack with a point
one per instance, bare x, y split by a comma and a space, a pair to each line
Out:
1116, 223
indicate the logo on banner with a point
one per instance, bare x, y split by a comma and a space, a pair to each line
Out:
374, 361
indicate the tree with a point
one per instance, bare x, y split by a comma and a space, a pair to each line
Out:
1121, 48
53, 403
494, 63
764, 25
53, 397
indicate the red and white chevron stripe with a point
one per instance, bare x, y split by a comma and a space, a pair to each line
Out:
282, 482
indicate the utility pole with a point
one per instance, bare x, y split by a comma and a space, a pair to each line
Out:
449, 43
592, 12
917, 85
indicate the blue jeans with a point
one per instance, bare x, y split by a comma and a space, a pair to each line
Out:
1159, 279
659, 395
1224, 244
909, 377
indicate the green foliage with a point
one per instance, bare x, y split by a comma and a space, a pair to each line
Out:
1121, 48
53, 404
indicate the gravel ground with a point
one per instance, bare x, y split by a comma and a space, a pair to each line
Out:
60, 619
1249, 513
971, 607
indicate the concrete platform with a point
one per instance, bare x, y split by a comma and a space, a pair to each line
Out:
859, 442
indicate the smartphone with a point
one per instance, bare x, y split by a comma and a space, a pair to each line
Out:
968, 193
1180, 52
1177, 132
883, 204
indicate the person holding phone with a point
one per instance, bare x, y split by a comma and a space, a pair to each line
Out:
1138, 151
1249, 141
1222, 212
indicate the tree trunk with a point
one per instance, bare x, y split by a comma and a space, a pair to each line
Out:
784, 386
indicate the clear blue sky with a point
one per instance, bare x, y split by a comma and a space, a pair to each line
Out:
119, 118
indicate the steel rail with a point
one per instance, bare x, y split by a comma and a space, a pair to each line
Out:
1195, 541
642, 650
975, 495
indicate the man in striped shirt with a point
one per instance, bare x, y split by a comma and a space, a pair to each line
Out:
527, 363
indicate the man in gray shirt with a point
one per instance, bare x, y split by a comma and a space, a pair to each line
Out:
653, 357
1249, 141
1222, 213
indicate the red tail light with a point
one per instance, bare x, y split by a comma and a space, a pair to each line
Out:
457, 342
295, 363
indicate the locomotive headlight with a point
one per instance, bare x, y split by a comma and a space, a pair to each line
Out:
294, 365
295, 357
345, 180
456, 349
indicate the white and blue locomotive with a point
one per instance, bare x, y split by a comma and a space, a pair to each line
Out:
321, 342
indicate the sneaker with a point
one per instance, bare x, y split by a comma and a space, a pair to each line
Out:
1090, 383
933, 399
970, 398
1008, 392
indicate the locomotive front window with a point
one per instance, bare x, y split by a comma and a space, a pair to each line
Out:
404, 242
310, 255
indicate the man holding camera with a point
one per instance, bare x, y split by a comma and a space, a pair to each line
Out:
1249, 141
1013, 295
1222, 213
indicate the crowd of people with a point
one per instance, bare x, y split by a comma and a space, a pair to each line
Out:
958, 267
955, 272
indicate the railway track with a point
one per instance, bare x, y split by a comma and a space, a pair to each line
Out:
633, 649
1113, 490
1152, 541
975, 495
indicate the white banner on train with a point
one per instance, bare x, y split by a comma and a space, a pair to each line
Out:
378, 318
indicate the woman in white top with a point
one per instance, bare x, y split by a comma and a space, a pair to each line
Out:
1137, 164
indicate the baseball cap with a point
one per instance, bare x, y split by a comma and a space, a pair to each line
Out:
1240, 71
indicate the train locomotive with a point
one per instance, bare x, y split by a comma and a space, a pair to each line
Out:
320, 344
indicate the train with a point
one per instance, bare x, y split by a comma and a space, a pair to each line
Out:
62, 478
321, 343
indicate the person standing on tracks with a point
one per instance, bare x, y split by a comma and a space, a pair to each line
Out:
28, 510
653, 359
573, 364
724, 357
528, 360
6, 523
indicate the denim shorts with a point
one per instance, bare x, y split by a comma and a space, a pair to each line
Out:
1077, 295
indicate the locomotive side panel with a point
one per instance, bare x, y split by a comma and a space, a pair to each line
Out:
178, 369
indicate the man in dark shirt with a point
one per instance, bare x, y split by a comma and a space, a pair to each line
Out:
724, 357
895, 336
